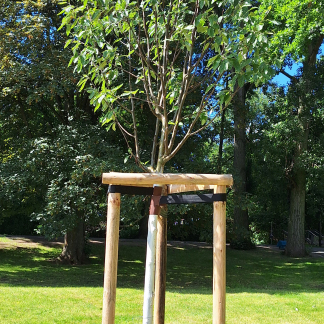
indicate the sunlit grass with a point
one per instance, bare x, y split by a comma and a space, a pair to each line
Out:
5, 239
263, 287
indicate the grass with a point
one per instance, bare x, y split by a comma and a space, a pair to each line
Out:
263, 286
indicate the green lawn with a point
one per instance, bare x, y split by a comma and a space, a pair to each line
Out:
263, 287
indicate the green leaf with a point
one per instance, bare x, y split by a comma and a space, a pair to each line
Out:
259, 27
241, 80
202, 29
203, 118
96, 14
101, 98
236, 65
68, 42
209, 87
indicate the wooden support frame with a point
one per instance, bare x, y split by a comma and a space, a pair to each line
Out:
149, 179
219, 258
176, 183
111, 259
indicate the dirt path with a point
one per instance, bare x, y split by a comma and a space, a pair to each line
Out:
9, 241
35, 241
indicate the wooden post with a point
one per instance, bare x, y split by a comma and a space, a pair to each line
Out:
219, 259
111, 259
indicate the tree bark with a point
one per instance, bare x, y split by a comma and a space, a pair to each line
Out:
241, 234
296, 224
74, 245
221, 141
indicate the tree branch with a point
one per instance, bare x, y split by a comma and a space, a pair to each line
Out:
155, 141
291, 77
137, 161
132, 103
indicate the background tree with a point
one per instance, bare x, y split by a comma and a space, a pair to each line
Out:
48, 134
298, 38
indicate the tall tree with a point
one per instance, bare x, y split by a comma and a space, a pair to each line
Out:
298, 39
241, 233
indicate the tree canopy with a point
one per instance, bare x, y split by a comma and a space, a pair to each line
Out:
155, 54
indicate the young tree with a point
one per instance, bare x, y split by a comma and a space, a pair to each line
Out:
149, 54
146, 54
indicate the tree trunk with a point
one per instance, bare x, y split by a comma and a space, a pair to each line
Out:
74, 245
320, 230
296, 225
143, 223
143, 227
241, 234
221, 141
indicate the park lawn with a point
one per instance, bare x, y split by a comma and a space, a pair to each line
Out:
263, 287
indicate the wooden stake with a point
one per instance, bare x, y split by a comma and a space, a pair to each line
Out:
219, 259
111, 259
160, 273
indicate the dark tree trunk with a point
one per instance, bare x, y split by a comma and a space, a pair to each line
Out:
74, 245
320, 230
143, 228
241, 233
296, 224
143, 223
221, 142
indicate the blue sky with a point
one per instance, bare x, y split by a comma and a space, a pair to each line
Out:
282, 80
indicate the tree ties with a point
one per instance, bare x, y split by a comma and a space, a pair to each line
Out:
171, 199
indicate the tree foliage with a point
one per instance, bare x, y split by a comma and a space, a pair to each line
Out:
151, 54
52, 152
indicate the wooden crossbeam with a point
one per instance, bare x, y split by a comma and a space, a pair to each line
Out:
149, 179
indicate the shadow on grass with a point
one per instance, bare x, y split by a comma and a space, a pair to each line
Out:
37, 267
189, 270
264, 269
